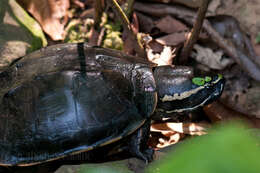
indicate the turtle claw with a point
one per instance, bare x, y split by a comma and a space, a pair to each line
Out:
138, 144
146, 156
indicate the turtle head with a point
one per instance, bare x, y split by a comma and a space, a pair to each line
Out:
178, 91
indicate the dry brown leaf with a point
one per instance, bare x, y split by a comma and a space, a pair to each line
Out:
213, 6
186, 128
163, 58
173, 139
129, 42
52, 15
135, 23
88, 13
154, 45
170, 25
78, 3
217, 112
174, 39
246, 11
188, 3
165, 134
208, 57
241, 93
145, 22
160, 140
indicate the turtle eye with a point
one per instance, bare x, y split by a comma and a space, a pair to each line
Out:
216, 78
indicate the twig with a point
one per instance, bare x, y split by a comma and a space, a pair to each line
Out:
129, 10
98, 13
251, 50
101, 35
95, 30
118, 10
126, 24
188, 45
187, 15
243, 60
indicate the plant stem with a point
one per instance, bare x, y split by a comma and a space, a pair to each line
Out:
192, 39
129, 10
98, 14
126, 24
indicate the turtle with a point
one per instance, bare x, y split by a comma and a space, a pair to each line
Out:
68, 99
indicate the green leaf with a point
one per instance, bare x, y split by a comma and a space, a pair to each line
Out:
228, 149
30, 24
258, 38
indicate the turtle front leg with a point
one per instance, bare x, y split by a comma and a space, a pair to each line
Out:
138, 144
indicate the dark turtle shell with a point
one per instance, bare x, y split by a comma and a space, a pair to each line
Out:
72, 98
58, 112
